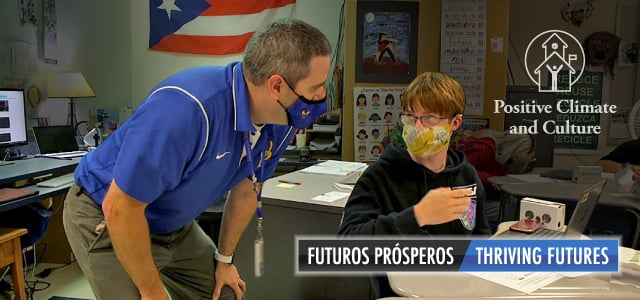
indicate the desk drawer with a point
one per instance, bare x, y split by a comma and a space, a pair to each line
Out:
6, 253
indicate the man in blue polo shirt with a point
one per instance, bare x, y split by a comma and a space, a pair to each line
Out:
200, 133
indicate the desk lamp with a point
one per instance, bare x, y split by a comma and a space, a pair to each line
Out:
70, 85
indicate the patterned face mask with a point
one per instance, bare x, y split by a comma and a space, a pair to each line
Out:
426, 141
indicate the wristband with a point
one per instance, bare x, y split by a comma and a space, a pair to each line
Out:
224, 258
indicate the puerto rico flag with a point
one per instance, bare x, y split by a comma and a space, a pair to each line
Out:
214, 27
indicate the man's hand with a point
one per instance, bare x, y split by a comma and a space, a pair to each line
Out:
442, 205
227, 274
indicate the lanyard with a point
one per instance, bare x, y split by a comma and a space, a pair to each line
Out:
259, 242
254, 178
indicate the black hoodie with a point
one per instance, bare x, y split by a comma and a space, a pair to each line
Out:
383, 198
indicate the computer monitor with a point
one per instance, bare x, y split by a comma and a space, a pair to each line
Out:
544, 143
13, 126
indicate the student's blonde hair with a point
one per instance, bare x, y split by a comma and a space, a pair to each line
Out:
436, 92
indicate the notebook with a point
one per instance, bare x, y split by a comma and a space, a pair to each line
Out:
56, 139
10, 194
587, 202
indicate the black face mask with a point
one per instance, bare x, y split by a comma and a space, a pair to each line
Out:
304, 111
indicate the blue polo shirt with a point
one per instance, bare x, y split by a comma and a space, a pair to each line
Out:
164, 155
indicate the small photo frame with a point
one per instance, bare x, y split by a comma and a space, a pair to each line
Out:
628, 53
386, 41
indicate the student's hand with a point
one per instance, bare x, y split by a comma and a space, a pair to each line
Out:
636, 172
441, 205
227, 274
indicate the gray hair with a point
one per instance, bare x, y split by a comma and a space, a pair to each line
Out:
284, 47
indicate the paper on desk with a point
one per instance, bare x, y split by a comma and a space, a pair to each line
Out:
335, 167
521, 281
629, 271
531, 178
331, 196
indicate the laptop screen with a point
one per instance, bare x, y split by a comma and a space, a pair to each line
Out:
584, 208
54, 139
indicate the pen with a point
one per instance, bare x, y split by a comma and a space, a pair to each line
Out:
291, 182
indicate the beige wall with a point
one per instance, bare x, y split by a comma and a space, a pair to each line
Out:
429, 59
150, 67
93, 38
528, 19
107, 41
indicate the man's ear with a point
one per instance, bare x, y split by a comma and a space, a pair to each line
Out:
456, 122
274, 85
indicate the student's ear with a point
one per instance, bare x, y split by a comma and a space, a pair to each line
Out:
456, 121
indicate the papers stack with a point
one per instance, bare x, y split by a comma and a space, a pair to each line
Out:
335, 167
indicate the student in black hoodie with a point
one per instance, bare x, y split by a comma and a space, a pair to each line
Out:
422, 187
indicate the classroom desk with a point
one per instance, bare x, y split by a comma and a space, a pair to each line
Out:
466, 286
559, 189
58, 250
34, 167
287, 213
513, 188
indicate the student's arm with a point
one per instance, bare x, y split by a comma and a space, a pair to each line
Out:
129, 233
610, 165
239, 209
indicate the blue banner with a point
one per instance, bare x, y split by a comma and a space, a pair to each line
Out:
379, 255
541, 255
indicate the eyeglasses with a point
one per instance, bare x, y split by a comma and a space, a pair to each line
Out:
426, 120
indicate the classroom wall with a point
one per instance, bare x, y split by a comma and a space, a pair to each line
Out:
150, 67
108, 42
93, 38
528, 19
429, 60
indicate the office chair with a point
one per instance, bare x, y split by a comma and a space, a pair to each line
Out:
35, 218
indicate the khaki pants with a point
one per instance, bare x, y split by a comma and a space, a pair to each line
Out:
185, 258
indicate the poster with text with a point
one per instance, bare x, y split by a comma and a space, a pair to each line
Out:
376, 113
462, 48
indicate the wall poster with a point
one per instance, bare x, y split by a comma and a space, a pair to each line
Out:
376, 112
462, 53
386, 41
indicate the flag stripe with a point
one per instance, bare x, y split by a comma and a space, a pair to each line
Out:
239, 7
212, 45
234, 25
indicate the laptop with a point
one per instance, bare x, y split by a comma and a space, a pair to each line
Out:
58, 141
587, 202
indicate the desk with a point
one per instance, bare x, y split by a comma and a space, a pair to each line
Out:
34, 167
287, 213
58, 250
513, 188
466, 286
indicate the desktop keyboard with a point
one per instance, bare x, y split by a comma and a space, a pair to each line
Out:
57, 181
69, 154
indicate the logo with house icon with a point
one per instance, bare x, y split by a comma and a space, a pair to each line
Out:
554, 60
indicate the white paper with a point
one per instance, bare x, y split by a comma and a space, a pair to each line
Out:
335, 167
331, 196
521, 281
531, 178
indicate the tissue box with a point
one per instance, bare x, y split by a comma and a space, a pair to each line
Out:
586, 174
